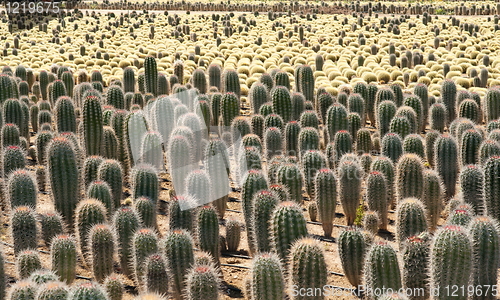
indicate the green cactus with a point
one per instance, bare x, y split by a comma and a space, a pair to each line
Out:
144, 243
13, 112
483, 232
267, 277
409, 177
325, 184
381, 268
376, 196
27, 261
469, 109
309, 118
23, 228
352, 247
401, 126
415, 257
65, 115
151, 75
21, 189
51, 225
144, 182
491, 104
114, 287
208, 232
432, 197
289, 175
199, 80
264, 203
350, 174
487, 149
471, 181
287, 225
23, 289
430, 139
450, 260
110, 171
90, 167
307, 266
135, 126
312, 161
115, 97
363, 141
10, 135
64, 257
336, 119
87, 290
101, 191
54, 290
371, 222
411, 219
179, 71
293, 134
110, 144
385, 113
177, 248
128, 80
102, 247
179, 157
298, 104
229, 108
392, 146
125, 221
202, 282
92, 125
155, 277
89, 212
323, 102
231, 82
180, 218
356, 103
146, 210
281, 101
448, 96
217, 165
233, 232
470, 142
446, 160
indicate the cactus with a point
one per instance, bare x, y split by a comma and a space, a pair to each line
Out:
65, 115
409, 177
115, 97
450, 260
430, 139
144, 243
470, 142
371, 222
352, 247
392, 146
324, 101
469, 109
381, 268
110, 171
410, 219
309, 118
293, 135
23, 289
233, 229
87, 290
415, 257
471, 181
151, 75
177, 247
491, 175
281, 101
21, 189
376, 196
350, 175
274, 120
229, 109
432, 196
459, 217
144, 182
298, 104
491, 104
273, 142
267, 278
128, 80
179, 157
217, 164
363, 141
448, 95
208, 232
92, 125
336, 119
64, 257
356, 104
10, 135
325, 184
101, 191
385, 112
102, 248
483, 232
202, 282
155, 277
287, 225
117, 122
446, 160
90, 167
487, 149
179, 71
146, 210
23, 228
27, 261
438, 117
110, 146
180, 218
401, 126
312, 161
54, 290
257, 123
51, 225
126, 221
231, 82
88, 213
266, 109
264, 203
289, 175
114, 287
307, 266
413, 143
13, 112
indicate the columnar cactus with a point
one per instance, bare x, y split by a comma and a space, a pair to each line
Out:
432, 197
21, 189
385, 112
208, 231
469, 109
401, 126
233, 232
217, 164
273, 142
376, 196
448, 95
491, 104
23, 289
324, 101
325, 184
306, 82
23, 228
487, 148
350, 175
145, 182
470, 141
409, 177
231, 82
312, 161
287, 225
150, 75
10, 135
298, 104
27, 261
202, 282
146, 209
135, 126
179, 158
199, 80
181, 218
229, 108
446, 160
102, 247
491, 177
413, 143
336, 119
110, 171
290, 176
484, 235
65, 115
450, 261
267, 278
114, 287
51, 225
13, 157
115, 97
381, 268
293, 137
92, 125
89, 212
54, 290
356, 103
64, 256
155, 274
342, 144
282, 104
110, 144
125, 221
90, 167
415, 257
307, 266
430, 139
352, 246
87, 290
410, 219
128, 80
471, 181
144, 243
264, 203
309, 118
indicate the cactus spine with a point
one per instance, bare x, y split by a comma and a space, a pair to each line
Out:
376, 196
102, 248
267, 279
350, 175
381, 268
325, 184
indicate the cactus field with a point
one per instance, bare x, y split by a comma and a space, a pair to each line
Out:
259, 150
